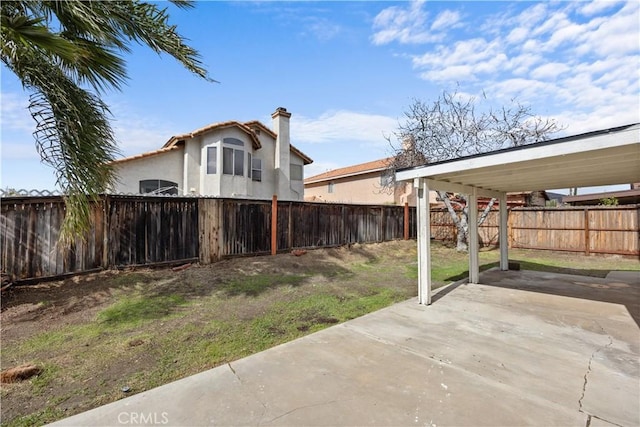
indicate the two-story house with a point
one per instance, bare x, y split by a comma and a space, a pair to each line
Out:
227, 159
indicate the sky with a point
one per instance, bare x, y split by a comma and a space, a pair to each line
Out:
347, 72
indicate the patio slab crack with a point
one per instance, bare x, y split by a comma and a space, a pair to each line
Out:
264, 405
586, 379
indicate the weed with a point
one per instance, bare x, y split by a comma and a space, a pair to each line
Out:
256, 284
42, 381
139, 309
49, 414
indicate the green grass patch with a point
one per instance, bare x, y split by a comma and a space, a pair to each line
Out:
48, 415
137, 309
193, 348
256, 284
41, 382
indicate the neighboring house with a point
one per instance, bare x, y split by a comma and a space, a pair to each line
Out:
228, 159
363, 183
623, 197
520, 199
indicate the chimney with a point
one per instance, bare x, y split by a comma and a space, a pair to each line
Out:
282, 151
408, 143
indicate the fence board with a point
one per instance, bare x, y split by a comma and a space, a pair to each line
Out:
147, 230
246, 227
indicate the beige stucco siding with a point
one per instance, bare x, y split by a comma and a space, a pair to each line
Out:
187, 166
266, 188
365, 189
297, 186
167, 166
192, 161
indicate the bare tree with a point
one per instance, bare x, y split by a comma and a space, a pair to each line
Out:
455, 126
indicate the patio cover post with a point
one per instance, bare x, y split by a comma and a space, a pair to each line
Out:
474, 259
503, 233
424, 242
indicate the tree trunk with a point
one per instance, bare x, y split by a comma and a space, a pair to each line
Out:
460, 222
485, 212
463, 229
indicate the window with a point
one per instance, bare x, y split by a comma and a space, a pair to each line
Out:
158, 186
330, 190
256, 169
232, 158
212, 160
295, 172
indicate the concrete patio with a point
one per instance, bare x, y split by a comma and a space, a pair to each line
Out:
523, 348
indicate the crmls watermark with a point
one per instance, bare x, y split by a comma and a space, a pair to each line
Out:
143, 418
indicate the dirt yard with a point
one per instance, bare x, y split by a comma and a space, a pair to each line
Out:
101, 337
94, 336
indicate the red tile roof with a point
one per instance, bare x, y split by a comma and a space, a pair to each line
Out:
177, 140
359, 169
147, 154
232, 123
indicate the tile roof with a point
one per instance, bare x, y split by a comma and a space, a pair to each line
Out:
359, 169
232, 123
147, 154
177, 140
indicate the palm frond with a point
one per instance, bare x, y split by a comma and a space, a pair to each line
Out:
55, 48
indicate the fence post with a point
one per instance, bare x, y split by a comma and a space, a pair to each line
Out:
274, 225
406, 220
587, 243
510, 220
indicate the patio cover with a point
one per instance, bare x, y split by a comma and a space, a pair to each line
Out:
604, 157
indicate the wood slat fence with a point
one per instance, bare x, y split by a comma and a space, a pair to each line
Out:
613, 230
131, 231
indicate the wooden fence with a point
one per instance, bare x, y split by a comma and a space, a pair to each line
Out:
611, 230
591, 230
130, 231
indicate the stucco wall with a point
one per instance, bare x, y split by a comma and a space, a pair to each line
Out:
297, 186
266, 188
365, 189
187, 166
219, 184
167, 166
192, 162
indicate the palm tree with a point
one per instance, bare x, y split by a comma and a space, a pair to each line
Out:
68, 53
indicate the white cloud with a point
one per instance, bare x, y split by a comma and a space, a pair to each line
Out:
446, 19
136, 132
136, 135
616, 35
406, 25
517, 35
523, 63
14, 112
577, 60
549, 71
533, 16
20, 150
522, 89
595, 7
322, 28
342, 127
463, 61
